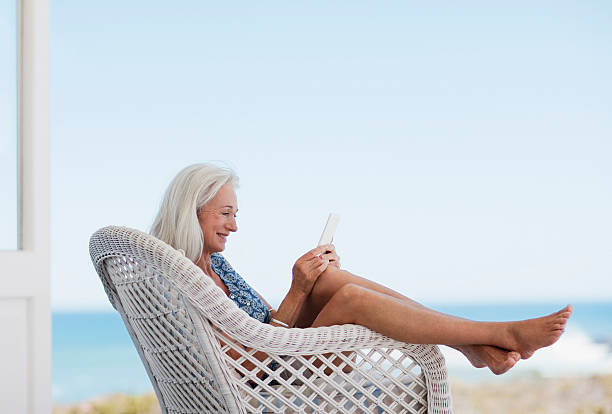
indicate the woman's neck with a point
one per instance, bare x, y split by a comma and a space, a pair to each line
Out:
204, 263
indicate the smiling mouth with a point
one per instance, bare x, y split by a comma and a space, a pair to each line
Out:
223, 236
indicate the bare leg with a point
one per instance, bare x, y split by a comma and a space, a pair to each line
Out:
399, 320
331, 281
409, 321
498, 360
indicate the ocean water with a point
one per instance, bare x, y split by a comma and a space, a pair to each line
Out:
93, 355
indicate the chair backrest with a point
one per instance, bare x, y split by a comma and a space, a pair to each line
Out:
179, 352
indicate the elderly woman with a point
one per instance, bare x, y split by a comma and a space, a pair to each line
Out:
198, 214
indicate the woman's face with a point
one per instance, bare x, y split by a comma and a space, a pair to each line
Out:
218, 219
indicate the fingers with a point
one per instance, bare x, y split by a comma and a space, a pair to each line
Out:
331, 255
314, 262
321, 265
314, 254
320, 249
317, 251
333, 259
313, 259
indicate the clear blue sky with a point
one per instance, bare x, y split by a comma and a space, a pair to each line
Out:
467, 147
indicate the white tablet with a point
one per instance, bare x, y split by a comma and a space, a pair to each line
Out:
330, 229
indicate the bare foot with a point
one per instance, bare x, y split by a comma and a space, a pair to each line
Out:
498, 360
532, 334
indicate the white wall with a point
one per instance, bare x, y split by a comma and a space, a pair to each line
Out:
25, 317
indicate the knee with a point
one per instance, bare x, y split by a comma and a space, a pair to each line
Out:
350, 295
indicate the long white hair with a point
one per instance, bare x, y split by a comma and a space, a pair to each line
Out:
177, 221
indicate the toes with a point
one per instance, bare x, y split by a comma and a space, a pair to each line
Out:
509, 363
565, 311
501, 361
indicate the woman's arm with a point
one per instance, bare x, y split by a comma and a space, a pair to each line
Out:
306, 271
290, 309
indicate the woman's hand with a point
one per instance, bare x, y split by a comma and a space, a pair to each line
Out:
309, 267
331, 255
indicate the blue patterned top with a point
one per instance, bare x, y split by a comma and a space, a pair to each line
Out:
240, 292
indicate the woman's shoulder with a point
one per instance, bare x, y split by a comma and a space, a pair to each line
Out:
217, 256
217, 260
221, 265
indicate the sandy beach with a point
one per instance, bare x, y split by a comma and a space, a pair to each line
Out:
535, 395
577, 395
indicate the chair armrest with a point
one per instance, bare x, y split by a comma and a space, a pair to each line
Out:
387, 373
380, 359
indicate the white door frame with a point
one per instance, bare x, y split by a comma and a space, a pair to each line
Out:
25, 315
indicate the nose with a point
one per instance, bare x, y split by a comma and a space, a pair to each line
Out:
231, 224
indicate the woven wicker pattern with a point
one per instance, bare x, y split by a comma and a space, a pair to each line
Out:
182, 325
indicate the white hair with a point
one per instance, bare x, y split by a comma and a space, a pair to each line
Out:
177, 221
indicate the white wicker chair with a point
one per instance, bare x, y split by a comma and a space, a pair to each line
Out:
182, 325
